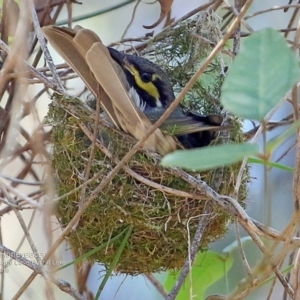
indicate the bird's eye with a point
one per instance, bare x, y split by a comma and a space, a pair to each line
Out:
146, 77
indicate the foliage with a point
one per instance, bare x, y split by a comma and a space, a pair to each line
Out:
207, 269
251, 94
111, 212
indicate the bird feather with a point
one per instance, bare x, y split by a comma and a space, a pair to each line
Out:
62, 40
84, 52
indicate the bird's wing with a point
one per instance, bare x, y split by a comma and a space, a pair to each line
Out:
102, 67
180, 124
63, 40
188, 125
84, 52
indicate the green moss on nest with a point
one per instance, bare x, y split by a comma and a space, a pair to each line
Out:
159, 238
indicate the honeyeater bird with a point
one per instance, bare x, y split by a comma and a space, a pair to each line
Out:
132, 90
155, 93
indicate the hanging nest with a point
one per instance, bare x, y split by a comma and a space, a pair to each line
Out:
161, 221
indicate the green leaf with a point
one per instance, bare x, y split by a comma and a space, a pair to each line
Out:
115, 261
93, 251
208, 268
209, 157
270, 164
262, 73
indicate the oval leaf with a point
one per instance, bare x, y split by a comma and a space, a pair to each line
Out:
262, 73
209, 157
207, 269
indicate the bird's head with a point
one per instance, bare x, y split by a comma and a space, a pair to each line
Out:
148, 80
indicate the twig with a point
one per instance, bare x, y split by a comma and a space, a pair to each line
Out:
273, 286
296, 117
43, 271
270, 262
296, 179
161, 35
291, 22
269, 126
32, 70
213, 44
202, 225
129, 40
296, 274
62, 284
132, 18
70, 12
241, 250
26, 182
94, 13
135, 175
59, 86
91, 153
157, 285
232, 206
272, 9
20, 195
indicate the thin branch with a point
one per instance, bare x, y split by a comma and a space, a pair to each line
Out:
16, 180
241, 250
135, 175
132, 18
157, 285
296, 274
30, 6
272, 9
202, 225
61, 284
91, 153
32, 70
43, 271
20, 195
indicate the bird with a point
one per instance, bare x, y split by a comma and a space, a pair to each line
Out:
152, 92
133, 91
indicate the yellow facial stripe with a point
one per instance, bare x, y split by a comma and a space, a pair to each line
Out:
149, 87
